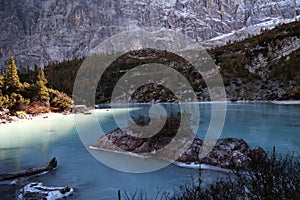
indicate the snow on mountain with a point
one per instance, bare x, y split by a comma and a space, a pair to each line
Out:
245, 32
41, 31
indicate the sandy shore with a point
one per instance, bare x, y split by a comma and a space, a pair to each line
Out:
41, 117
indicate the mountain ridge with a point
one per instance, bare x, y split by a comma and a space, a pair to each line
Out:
39, 32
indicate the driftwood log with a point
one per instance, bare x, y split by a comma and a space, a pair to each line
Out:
29, 172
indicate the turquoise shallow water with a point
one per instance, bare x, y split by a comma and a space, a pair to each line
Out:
32, 143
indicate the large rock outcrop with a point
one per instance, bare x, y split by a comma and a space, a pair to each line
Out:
40, 31
229, 153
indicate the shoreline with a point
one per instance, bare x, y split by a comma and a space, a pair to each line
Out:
54, 115
28, 118
175, 163
283, 102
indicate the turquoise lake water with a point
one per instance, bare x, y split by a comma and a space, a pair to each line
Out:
33, 143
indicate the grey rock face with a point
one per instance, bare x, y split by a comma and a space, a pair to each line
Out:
40, 31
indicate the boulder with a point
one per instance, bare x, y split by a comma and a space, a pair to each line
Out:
144, 148
257, 154
5, 118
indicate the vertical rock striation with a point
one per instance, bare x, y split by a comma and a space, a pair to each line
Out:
40, 31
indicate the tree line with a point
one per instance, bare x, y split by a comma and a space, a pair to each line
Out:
34, 97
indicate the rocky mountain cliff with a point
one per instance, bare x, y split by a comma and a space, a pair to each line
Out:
40, 31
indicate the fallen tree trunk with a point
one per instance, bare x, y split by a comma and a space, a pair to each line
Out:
29, 172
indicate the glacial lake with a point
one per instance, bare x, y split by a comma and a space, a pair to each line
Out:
33, 143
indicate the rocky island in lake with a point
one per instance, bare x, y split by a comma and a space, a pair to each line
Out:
227, 153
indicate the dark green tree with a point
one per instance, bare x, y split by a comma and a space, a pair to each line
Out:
12, 79
3, 99
42, 90
1, 83
60, 100
16, 103
41, 76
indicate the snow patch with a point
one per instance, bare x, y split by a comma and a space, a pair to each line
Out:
269, 23
286, 102
200, 166
38, 191
136, 155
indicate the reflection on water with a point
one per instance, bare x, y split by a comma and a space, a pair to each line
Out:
33, 143
27, 141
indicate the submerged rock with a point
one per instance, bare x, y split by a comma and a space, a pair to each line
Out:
229, 153
35, 191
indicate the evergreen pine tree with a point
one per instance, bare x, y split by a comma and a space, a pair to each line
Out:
1, 96
1, 83
42, 90
41, 76
12, 79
